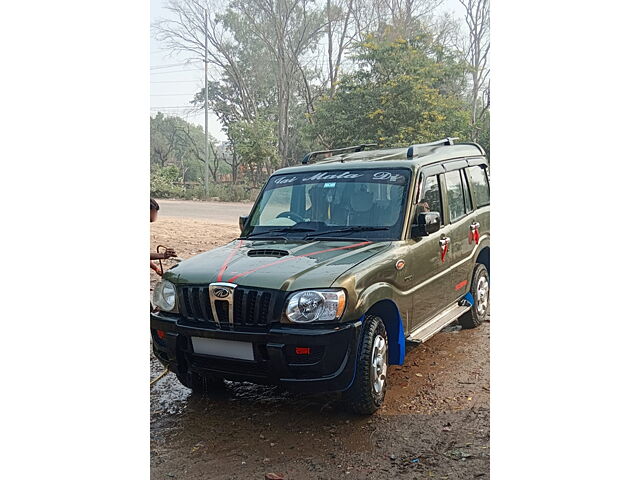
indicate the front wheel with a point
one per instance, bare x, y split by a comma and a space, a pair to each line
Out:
366, 394
480, 291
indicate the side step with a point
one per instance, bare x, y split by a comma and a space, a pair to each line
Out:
432, 327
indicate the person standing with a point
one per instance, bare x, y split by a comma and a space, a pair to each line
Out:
169, 252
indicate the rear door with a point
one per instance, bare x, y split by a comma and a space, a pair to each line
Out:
461, 221
478, 176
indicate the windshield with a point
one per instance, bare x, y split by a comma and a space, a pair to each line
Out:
361, 203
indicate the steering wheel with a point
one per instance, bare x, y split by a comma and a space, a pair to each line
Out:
293, 216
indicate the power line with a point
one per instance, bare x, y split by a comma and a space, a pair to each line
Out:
177, 71
175, 81
176, 106
168, 65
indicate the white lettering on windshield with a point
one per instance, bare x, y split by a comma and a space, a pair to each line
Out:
281, 180
322, 177
392, 177
330, 176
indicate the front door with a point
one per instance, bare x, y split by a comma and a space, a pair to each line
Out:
429, 257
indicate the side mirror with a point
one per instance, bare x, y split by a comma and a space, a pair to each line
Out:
242, 221
428, 222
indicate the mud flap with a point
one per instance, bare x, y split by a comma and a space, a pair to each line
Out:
395, 330
467, 300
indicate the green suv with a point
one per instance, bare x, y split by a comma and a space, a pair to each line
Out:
341, 263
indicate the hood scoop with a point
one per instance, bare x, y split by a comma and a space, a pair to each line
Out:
267, 252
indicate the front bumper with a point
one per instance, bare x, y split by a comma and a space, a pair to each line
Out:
330, 366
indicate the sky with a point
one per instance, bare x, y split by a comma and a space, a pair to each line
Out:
173, 86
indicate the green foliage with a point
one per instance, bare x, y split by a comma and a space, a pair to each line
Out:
404, 92
484, 138
163, 181
220, 192
176, 143
256, 146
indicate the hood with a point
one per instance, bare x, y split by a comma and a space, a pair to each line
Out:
283, 265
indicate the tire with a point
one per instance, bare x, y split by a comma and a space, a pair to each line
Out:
201, 384
366, 394
480, 291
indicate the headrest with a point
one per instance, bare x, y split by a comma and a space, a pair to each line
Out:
361, 201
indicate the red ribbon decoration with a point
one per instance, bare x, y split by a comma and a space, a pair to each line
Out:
286, 259
443, 251
225, 265
476, 235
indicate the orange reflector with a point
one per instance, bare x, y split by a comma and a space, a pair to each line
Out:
341, 304
161, 334
303, 350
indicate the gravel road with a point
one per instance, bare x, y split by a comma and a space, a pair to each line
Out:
434, 423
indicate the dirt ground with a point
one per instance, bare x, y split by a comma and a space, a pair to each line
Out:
434, 422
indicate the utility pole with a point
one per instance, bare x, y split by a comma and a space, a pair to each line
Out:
206, 106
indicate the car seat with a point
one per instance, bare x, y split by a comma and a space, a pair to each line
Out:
394, 207
360, 210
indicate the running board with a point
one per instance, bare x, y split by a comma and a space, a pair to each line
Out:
432, 327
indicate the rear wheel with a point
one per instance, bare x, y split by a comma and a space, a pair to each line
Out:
480, 291
366, 394
201, 384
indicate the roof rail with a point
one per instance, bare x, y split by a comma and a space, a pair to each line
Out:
477, 145
356, 148
444, 141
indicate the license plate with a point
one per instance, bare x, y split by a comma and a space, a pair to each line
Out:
223, 348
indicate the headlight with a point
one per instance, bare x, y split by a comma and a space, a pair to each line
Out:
164, 296
315, 305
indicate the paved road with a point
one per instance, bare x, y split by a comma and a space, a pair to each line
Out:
218, 212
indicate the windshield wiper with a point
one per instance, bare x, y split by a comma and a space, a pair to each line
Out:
280, 230
348, 229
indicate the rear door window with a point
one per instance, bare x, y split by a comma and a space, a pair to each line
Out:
480, 184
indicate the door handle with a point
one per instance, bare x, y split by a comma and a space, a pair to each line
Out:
474, 232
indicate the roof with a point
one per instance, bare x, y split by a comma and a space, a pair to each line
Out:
413, 157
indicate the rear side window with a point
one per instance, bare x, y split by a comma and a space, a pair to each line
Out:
480, 184
455, 195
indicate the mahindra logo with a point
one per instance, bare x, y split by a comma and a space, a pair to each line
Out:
221, 293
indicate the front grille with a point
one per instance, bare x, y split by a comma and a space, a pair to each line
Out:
253, 308
194, 304
222, 309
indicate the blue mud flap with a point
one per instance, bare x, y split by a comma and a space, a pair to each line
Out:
469, 298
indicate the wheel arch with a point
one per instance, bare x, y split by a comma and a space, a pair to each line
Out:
388, 311
483, 258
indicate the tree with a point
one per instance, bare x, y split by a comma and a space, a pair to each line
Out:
272, 35
256, 146
176, 142
477, 53
404, 92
